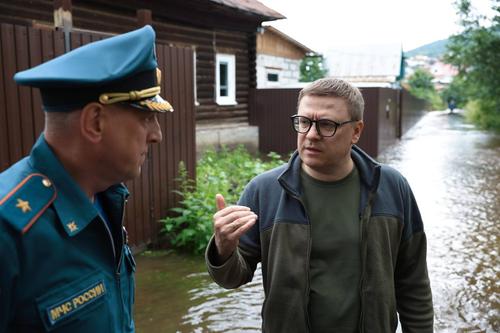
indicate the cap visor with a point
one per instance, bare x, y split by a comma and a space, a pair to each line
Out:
156, 104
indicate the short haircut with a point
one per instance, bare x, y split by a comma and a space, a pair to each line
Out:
337, 88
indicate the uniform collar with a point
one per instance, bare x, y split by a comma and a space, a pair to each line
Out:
73, 207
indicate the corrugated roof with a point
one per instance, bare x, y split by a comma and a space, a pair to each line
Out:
252, 6
377, 63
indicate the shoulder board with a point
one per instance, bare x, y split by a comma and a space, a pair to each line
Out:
25, 203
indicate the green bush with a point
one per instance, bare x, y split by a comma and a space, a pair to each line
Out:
483, 114
421, 86
226, 172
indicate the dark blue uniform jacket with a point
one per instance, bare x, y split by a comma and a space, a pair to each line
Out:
63, 268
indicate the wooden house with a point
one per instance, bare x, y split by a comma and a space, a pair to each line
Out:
221, 33
206, 50
278, 58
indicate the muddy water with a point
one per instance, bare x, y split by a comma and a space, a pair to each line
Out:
454, 171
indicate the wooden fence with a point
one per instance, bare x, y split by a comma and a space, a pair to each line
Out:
22, 120
388, 114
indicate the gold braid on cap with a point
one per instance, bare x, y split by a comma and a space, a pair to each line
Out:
110, 98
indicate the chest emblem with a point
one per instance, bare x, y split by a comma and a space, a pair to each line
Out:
70, 305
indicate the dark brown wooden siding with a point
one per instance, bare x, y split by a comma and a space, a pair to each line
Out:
119, 17
368, 140
413, 109
270, 111
22, 121
384, 111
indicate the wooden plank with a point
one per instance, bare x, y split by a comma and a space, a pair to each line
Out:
25, 107
170, 151
9, 56
181, 83
75, 40
48, 51
190, 120
86, 38
4, 144
130, 213
177, 115
35, 53
59, 48
139, 212
164, 149
155, 183
146, 206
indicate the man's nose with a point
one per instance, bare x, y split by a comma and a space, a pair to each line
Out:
313, 132
155, 135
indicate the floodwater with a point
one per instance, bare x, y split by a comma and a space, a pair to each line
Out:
454, 171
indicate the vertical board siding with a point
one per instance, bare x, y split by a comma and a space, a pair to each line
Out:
413, 108
368, 141
172, 29
22, 120
271, 111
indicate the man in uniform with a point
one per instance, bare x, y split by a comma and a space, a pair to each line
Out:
66, 265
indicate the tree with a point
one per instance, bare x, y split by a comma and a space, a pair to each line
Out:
312, 68
476, 54
420, 85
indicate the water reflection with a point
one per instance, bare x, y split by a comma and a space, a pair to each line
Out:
454, 171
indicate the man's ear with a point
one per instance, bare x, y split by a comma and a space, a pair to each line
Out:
358, 129
92, 121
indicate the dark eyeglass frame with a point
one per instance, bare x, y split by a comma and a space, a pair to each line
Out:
317, 122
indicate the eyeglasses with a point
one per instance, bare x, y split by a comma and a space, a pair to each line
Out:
324, 127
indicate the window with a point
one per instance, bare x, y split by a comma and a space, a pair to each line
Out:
272, 77
225, 79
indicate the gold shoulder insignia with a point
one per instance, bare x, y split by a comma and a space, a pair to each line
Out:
25, 203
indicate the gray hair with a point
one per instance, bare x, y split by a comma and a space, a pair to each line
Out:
337, 88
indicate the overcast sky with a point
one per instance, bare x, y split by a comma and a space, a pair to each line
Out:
325, 24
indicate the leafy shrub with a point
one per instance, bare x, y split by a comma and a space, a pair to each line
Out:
483, 114
226, 172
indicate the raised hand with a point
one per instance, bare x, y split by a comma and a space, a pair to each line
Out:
229, 224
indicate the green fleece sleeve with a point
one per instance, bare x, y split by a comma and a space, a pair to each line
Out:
413, 291
237, 270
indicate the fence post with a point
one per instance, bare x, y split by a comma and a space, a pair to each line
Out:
144, 17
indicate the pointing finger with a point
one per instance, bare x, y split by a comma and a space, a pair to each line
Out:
220, 202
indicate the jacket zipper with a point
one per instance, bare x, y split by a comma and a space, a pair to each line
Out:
364, 218
117, 272
118, 277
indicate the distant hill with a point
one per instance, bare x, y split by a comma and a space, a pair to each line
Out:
434, 49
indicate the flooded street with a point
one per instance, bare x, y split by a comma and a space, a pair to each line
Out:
454, 171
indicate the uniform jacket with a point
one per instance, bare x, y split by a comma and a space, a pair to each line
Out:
393, 251
63, 269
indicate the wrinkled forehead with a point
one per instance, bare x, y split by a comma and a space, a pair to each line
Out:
317, 107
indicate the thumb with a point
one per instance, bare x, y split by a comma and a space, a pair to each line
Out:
220, 202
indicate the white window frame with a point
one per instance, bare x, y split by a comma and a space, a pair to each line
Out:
195, 86
230, 60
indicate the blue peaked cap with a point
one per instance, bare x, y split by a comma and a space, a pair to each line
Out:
120, 69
